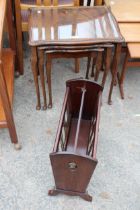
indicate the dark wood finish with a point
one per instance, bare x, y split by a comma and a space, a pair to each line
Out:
34, 65
74, 154
115, 64
62, 42
6, 82
22, 13
12, 34
77, 54
82, 17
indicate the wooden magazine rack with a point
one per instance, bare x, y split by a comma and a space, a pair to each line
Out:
73, 158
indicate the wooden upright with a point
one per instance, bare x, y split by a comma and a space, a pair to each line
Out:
6, 80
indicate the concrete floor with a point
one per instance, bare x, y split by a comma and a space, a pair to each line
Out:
26, 175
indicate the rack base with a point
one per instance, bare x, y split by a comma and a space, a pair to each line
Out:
56, 191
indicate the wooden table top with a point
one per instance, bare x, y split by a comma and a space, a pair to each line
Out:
2, 17
130, 31
86, 25
134, 50
125, 10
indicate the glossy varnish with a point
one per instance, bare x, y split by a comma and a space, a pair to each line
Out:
69, 26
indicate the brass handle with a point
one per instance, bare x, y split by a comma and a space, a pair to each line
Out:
72, 165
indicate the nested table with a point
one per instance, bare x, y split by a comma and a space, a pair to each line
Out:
78, 29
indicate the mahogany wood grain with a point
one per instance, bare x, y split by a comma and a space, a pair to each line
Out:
62, 39
73, 158
82, 17
21, 13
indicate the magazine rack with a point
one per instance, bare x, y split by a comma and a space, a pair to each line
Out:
73, 158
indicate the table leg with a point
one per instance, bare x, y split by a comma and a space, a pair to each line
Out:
123, 73
35, 74
88, 66
77, 65
19, 37
42, 78
107, 64
98, 65
48, 71
116, 59
8, 110
93, 63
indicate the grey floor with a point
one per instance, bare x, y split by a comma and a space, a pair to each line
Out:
26, 175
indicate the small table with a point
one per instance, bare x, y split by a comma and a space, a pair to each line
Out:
125, 10
64, 28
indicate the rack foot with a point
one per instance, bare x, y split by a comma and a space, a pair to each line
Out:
53, 192
84, 196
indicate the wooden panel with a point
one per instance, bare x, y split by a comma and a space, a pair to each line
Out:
125, 10
130, 31
7, 55
83, 138
134, 50
2, 16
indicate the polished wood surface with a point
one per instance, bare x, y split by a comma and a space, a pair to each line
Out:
130, 31
26, 4
86, 25
134, 50
9, 78
73, 158
6, 81
62, 31
21, 13
125, 10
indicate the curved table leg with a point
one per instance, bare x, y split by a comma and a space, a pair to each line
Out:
48, 71
107, 64
123, 73
42, 78
98, 65
35, 74
88, 66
